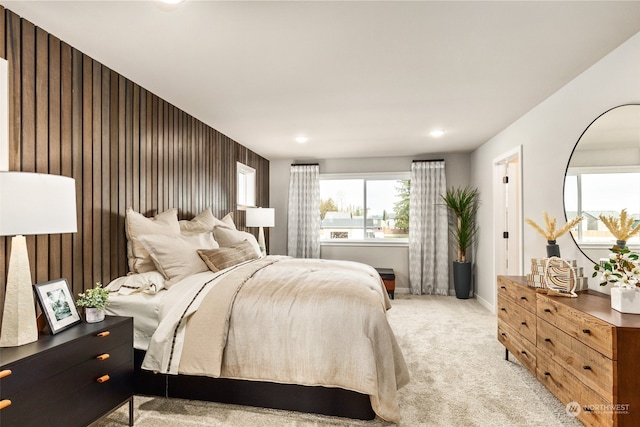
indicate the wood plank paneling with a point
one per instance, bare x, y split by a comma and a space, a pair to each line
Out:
125, 147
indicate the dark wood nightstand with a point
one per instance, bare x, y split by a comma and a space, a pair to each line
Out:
389, 279
69, 379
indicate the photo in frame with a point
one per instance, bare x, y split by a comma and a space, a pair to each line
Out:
57, 304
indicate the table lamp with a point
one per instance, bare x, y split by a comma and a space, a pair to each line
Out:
261, 217
30, 203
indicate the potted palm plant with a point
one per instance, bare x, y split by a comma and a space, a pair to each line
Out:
94, 301
462, 204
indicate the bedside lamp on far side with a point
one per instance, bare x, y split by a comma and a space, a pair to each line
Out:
261, 217
30, 203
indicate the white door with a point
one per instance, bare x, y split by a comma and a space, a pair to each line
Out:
507, 214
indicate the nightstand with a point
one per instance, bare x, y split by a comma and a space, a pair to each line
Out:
389, 279
69, 379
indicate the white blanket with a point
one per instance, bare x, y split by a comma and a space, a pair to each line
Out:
295, 321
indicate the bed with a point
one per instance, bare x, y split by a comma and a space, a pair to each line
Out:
274, 331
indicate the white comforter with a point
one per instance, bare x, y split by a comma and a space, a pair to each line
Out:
294, 321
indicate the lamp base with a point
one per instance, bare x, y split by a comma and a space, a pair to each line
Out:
19, 316
261, 243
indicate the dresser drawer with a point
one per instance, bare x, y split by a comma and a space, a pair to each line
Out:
568, 388
589, 366
519, 347
74, 407
587, 329
33, 371
63, 385
523, 321
523, 296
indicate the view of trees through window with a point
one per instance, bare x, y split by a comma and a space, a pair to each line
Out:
364, 208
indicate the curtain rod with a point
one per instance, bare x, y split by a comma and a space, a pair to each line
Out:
305, 164
432, 160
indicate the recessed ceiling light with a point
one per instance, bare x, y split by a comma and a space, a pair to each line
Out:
437, 133
301, 139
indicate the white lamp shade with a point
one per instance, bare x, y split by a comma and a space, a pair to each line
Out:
260, 217
34, 203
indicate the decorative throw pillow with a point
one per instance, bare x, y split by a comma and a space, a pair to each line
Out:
205, 221
219, 259
137, 225
227, 237
176, 257
149, 282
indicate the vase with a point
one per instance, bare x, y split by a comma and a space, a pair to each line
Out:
625, 300
93, 315
552, 249
462, 279
621, 243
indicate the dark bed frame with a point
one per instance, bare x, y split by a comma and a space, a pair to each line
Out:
318, 400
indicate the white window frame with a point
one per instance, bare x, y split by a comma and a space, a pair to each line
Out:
246, 183
366, 177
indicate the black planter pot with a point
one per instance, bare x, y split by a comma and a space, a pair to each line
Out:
462, 279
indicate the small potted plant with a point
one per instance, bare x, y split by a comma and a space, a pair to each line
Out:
94, 301
551, 233
622, 270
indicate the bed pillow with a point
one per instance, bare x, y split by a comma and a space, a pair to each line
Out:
176, 257
149, 282
205, 221
137, 225
227, 237
219, 259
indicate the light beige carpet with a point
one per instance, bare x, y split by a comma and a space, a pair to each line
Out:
458, 378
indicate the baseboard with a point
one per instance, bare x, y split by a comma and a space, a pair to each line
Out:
483, 302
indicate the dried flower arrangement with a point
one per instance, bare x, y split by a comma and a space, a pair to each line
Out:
621, 227
550, 233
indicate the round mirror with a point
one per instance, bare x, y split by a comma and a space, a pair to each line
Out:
603, 178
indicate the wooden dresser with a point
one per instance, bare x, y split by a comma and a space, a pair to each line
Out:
584, 352
69, 379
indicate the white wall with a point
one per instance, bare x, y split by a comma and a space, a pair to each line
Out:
547, 134
396, 257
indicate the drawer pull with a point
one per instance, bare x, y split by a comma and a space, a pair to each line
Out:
587, 409
524, 352
503, 287
547, 339
503, 334
547, 310
4, 403
523, 323
104, 379
104, 356
523, 298
547, 374
503, 309
103, 334
587, 367
587, 331
5, 373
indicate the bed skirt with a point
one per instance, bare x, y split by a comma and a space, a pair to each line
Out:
318, 400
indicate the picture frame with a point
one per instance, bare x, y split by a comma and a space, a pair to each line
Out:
58, 304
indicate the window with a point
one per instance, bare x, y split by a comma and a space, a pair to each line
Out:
246, 185
364, 208
590, 193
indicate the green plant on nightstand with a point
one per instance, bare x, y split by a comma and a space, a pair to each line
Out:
94, 301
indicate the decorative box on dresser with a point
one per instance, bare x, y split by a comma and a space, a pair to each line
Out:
72, 378
586, 353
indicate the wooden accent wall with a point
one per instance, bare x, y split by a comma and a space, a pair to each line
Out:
70, 115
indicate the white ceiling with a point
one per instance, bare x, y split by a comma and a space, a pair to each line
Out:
359, 79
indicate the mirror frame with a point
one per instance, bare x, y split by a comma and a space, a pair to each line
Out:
564, 179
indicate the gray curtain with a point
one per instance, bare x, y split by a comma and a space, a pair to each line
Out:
304, 212
428, 230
